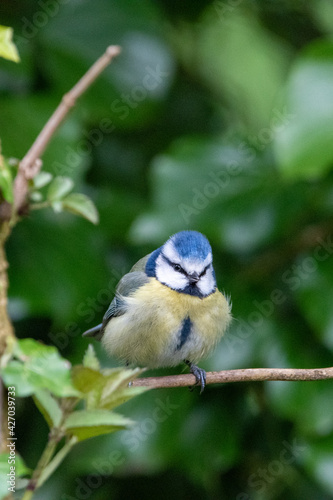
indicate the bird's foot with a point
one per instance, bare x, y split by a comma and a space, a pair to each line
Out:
199, 373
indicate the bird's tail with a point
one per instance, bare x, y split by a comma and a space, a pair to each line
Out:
94, 332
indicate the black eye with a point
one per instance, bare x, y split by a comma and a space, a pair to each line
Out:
177, 267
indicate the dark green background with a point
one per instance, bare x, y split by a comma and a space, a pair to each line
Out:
231, 135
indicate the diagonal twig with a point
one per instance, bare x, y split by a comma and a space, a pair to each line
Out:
31, 164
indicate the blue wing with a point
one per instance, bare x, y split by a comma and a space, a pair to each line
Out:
126, 286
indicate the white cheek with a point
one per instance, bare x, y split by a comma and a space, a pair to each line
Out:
167, 275
206, 283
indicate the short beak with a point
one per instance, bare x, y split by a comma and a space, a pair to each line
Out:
194, 278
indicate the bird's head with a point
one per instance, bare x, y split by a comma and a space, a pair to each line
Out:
185, 264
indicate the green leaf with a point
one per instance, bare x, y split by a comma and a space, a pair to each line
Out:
57, 206
85, 424
39, 366
121, 396
8, 49
59, 187
30, 347
88, 381
91, 383
20, 470
35, 196
236, 69
80, 204
53, 373
48, 406
107, 389
42, 179
6, 180
14, 375
117, 391
90, 359
303, 142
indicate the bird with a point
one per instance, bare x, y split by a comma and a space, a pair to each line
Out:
167, 310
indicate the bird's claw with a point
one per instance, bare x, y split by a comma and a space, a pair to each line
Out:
200, 375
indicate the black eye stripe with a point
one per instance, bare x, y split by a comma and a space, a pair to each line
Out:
176, 267
179, 269
204, 271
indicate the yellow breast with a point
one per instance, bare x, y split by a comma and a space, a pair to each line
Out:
148, 334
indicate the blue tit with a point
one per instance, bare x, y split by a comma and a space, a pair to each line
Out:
167, 309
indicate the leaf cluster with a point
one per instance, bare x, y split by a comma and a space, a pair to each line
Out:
59, 196
76, 402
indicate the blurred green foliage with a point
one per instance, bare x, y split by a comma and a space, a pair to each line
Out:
217, 117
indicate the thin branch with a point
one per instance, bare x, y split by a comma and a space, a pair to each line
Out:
43, 469
244, 375
31, 163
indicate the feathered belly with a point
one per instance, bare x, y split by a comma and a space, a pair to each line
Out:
162, 327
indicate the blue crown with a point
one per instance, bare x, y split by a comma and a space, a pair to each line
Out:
191, 244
